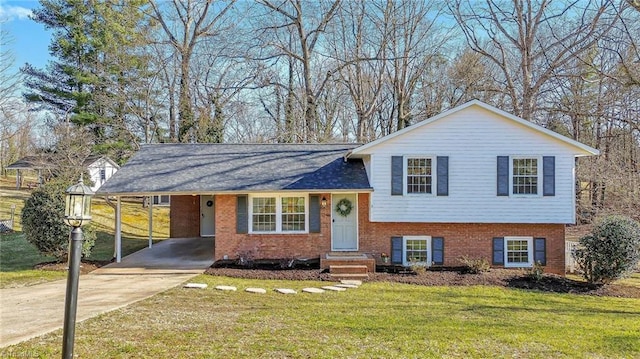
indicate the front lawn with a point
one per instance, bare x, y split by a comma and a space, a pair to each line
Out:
378, 320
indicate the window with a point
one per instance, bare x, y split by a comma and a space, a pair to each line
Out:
264, 214
419, 175
103, 174
518, 251
161, 200
416, 250
525, 175
278, 214
293, 214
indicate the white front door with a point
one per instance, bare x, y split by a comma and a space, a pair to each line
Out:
344, 222
207, 220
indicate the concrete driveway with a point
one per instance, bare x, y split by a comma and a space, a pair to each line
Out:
32, 311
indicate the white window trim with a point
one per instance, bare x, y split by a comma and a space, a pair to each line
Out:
529, 263
522, 157
405, 260
405, 162
278, 197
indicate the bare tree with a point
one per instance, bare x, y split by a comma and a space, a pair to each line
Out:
530, 41
185, 25
305, 26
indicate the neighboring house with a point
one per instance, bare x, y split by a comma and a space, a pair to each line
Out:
100, 168
473, 181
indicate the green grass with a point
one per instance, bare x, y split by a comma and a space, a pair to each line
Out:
378, 320
18, 257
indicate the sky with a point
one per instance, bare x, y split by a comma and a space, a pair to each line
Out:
30, 40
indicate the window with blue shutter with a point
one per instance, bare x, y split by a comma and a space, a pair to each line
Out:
396, 250
437, 250
442, 173
548, 176
503, 176
540, 251
498, 251
242, 214
397, 165
314, 214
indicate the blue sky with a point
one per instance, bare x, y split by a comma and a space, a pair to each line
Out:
30, 39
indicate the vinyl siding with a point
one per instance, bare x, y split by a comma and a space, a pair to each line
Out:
472, 138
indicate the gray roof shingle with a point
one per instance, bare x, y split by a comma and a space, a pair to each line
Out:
201, 168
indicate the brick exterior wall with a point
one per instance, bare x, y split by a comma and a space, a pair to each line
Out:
470, 239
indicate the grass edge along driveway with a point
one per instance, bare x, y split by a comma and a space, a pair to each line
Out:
377, 320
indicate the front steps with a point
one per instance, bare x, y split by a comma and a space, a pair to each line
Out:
348, 265
348, 271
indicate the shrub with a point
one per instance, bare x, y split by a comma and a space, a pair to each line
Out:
611, 251
475, 265
536, 272
43, 222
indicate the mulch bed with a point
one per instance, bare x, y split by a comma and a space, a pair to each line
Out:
496, 277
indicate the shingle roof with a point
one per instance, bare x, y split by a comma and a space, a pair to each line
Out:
35, 162
201, 168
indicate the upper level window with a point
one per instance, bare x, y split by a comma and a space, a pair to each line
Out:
419, 175
278, 214
103, 174
525, 175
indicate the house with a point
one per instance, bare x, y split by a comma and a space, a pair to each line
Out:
100, 168
473, 181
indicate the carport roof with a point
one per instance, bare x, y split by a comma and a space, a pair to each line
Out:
212, 168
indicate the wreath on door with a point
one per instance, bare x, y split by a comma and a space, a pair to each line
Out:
344, 207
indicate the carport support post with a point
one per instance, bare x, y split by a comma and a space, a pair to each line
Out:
150, 221
118, 230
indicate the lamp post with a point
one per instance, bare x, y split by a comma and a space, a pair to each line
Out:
76, 213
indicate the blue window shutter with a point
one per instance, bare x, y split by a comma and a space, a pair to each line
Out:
503, 175
443, 175
396, 250
540, 251
437, 250
548, 176
397, 166
242, 214
314, 214
498, 250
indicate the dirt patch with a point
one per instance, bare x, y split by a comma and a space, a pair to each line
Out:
85, 266
496, 277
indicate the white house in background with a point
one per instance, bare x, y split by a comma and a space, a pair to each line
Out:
100, 169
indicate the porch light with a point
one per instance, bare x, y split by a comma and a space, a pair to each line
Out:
323, 202
78, 205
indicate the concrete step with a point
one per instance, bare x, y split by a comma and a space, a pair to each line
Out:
359, 276
348, 269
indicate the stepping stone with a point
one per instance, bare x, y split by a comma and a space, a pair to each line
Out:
256, 290
313, 290
346, 286
285, 291
226, 287
334, 288
351, 281
195, 285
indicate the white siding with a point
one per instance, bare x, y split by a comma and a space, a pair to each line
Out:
94, 172
472, 138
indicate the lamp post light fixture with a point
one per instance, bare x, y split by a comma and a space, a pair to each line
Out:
323, 202
77, 212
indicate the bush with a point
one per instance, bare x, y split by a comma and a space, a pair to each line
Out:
536, 272
611, 251
475, 265
43, 222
